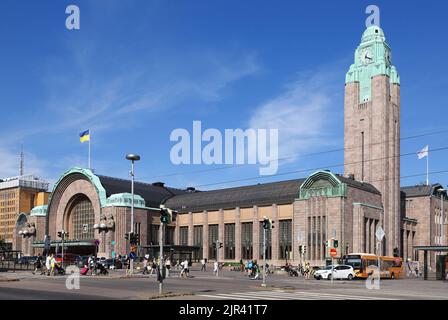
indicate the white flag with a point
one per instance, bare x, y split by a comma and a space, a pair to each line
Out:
423, 153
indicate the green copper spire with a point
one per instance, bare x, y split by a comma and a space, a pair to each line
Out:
372, 57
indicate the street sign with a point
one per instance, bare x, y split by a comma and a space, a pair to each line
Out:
113, 242
97, 242
113, 254
132, 255
379, 233
333, 252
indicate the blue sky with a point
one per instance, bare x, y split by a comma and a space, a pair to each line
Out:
136, 70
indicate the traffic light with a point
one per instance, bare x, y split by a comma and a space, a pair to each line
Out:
268, 224
303, 249
60, 234
395, 252
220, 245
137, 238
327, 244
126, 236
167, 215
335, 243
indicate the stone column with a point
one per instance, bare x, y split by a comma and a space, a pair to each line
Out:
190, 228
256, 234
221, 234
205, 235
275, 234
176, 233
237, 234
367, 228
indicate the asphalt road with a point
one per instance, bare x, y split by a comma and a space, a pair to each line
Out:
203, 285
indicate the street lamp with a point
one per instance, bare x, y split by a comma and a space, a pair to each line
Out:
132, 157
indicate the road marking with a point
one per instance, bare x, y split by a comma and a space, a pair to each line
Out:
283, 295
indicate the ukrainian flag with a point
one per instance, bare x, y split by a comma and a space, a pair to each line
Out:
84, 136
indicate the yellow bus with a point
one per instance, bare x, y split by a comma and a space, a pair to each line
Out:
364, 264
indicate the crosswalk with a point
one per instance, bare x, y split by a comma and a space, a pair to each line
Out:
287, 295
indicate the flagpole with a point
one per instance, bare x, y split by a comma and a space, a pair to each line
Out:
90, 138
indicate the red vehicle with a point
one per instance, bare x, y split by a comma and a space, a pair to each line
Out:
69, 258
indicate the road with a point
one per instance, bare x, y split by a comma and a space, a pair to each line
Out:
205, 286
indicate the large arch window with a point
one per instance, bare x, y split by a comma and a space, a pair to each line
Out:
82, 218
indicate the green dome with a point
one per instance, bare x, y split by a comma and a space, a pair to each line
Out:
125, 200
39, 211
373, 33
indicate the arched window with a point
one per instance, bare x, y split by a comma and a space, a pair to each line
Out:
82, 218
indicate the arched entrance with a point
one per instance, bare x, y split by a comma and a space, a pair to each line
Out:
79, 221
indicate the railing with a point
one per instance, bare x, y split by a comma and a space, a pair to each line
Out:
7, 265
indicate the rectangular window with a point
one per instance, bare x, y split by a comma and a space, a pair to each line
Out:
247, 240
212, 238
169, 235
285, 239
229, 241
183, 236
197, 241
154, 235
268, 242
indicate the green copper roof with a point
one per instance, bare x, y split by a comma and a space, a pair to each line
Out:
40, 211
372, 57
322, 183
93, 179
125, 200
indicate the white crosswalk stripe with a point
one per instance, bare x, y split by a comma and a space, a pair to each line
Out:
287, 295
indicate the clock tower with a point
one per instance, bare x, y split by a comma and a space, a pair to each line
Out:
372, 127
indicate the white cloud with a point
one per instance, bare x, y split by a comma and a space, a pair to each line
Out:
302, 114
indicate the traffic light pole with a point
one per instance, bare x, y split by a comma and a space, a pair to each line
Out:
217, 256
264, 258
63, 236
162, 225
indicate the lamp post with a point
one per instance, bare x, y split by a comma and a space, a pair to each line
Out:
132, 157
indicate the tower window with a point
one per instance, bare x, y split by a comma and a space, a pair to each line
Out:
376, 30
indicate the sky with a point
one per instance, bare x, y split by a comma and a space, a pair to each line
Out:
138, 69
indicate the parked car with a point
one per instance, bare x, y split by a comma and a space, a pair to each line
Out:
337, 272
27, 260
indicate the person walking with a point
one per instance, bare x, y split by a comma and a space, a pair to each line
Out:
37, 264
145, 264
168, 266
203, 262
215, 268
153, 267
48, 264
52, 264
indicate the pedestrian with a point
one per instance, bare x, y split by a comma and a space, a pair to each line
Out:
203, 265
38, 264
215, 268
153, 266
145, 264
168, 266
48, 264
52, 264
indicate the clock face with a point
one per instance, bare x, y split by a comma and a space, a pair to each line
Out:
366, 56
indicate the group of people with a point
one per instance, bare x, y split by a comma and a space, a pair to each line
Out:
49, 267
253, 269
304, 270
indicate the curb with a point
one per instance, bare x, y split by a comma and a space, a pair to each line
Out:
170, 295
8, 280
